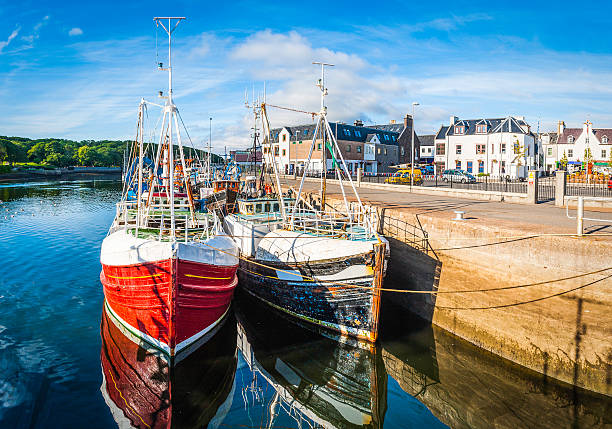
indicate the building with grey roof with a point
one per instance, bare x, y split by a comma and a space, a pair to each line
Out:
493, 146
373, 148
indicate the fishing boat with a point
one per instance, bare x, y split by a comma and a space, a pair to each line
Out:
144, 389
168, 268
324, 265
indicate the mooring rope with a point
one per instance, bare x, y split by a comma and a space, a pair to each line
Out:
333, 282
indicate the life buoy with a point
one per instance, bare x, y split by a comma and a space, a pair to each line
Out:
268, 189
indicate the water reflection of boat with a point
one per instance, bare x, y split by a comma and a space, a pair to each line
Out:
143, 390
317, 379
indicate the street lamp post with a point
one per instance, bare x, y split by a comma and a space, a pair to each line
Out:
414, 103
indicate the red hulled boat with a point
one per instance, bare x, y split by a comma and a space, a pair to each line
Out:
168, 268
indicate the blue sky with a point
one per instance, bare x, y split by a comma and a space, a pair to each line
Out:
78, 69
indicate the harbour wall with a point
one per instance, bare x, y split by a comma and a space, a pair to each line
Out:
467, 388
559, 328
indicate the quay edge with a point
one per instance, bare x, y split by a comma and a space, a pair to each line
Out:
566, 337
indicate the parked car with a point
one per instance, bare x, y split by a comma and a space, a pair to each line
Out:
427, 170
457, 176
403, 177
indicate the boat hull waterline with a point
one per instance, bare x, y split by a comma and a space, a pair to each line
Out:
341, 294
170, 302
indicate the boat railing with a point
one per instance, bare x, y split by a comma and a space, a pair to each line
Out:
355, 225
156, 223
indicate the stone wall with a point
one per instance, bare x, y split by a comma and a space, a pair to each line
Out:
567, 336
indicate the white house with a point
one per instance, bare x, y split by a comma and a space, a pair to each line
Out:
495, 146
578, 145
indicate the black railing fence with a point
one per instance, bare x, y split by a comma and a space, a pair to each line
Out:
588, 187
481, 183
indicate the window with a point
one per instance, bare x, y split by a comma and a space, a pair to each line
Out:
358, 133
265, 150
503, 167
458, 149
318, 146
358, 147
428, 150
267, 207
379, 151
570, 153
347, 132
284, 152
387, 137
480, 148
503, 148
459, 129
385, 151
458, 165
492, 148
394, 138
305, 133
257, 208
481, 166
348, 147
549, 151
481, 129
570, 139
439, 149
604, 154
604, 140
284, 137
402, 151
276, 151
469, 166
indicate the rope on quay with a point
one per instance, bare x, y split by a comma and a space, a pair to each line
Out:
428, 292
528, 301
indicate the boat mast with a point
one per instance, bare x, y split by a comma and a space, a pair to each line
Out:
170, 112
323, 115
140, 155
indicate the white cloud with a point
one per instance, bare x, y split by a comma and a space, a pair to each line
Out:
375, 79
5, 43
76, 31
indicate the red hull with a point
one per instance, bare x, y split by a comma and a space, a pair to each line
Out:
170, 303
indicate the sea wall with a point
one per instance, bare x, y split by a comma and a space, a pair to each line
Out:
465, 387
562, 329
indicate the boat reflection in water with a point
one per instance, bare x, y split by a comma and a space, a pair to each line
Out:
143, 389
317, 381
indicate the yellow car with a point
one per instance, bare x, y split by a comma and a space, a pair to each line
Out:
403, 177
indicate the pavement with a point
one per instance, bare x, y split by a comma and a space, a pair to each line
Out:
540, 218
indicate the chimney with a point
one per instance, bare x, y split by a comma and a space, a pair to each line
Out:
358, 123
560, 128
392, 121
407, 120
453, 119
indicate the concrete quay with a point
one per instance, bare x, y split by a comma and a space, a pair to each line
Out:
554, 314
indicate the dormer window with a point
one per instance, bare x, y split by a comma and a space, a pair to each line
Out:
570, 139
481, 129
604, 140
459, 129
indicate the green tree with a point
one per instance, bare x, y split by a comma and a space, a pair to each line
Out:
563, 161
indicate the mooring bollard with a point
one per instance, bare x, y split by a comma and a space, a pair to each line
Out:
580, 216
459, 215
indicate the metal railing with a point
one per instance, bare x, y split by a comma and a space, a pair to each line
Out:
588, 187
354, 225
156, 223
479, 183
580, 214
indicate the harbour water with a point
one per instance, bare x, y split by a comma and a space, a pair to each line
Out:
64, 363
